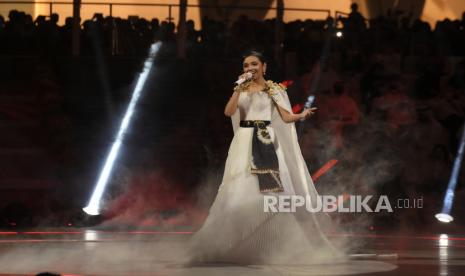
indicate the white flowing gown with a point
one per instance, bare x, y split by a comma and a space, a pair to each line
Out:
237, 228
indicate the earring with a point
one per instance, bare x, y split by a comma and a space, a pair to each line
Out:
264, 73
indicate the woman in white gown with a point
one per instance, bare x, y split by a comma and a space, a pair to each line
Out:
237, 228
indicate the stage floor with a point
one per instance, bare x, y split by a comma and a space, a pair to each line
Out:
90, 252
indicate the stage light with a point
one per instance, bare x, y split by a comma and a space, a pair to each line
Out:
443, 240
339, 34
445, 216
93, 207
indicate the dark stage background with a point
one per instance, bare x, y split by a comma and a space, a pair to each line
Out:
390, 93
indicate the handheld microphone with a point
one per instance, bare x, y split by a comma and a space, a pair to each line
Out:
248, 76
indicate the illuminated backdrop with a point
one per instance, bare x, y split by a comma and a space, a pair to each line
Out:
428, 10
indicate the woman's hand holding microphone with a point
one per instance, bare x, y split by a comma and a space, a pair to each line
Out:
244, 77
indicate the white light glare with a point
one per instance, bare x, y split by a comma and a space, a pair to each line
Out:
339, 34
446, 218
443, 240
93, 207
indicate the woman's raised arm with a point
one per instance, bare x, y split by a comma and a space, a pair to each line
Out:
231, 106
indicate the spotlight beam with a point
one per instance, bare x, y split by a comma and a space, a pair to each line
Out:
93, 207
445, 216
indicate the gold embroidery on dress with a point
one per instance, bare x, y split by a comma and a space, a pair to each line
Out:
263, 136
274, 174
270, 87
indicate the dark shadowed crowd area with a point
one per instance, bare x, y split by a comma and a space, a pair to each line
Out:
390, 94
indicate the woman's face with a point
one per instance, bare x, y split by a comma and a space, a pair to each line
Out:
254, 65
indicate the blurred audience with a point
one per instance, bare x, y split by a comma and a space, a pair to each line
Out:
391, 86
